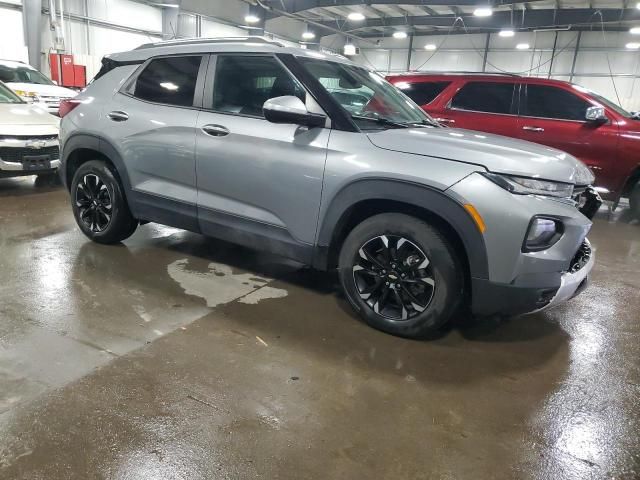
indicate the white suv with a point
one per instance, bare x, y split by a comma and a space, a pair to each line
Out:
33, 86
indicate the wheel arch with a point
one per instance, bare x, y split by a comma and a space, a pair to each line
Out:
365, 198
81, 148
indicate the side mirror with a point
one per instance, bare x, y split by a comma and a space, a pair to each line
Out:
596, 115
290, 109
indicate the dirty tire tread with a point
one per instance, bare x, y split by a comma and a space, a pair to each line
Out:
447, 271
123, 224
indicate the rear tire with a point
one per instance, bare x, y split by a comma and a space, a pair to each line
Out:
634, 201
401, 275
99, 205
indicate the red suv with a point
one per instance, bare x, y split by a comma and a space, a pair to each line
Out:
554, 113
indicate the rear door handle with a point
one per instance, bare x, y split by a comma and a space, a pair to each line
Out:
533, 129
118, 116
444, 120
216, 130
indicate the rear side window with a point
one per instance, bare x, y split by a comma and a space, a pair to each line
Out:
424, 92
551, 102
243, 83
170, 80
490, 97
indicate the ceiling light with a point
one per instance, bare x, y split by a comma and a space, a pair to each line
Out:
483, 12
523, 46
634, 31
349, 49
400, 35
633, 46
252, 19
308, 35
507, 32
638, 6
430, 46
356, 17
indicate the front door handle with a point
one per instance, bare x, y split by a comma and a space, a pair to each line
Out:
216, 130
533, 129
444, 120
118, 116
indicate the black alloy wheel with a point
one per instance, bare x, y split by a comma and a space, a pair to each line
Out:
94, 203
394, 277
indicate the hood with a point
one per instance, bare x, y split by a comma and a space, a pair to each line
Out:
46, 90
26, 119
496, 153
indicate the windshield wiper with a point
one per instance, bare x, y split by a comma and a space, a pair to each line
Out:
382, 121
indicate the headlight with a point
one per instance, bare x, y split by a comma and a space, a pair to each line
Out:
542, 234
26, 95
531, 186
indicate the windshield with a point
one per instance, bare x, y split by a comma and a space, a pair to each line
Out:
19, 74
7, 96
606, 102
372, 102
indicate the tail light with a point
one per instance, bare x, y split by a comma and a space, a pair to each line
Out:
66, 106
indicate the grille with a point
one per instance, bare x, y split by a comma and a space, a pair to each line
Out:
16, 155
581, 258
28, 137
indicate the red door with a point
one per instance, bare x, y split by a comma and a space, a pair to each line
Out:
487, 106
555, 117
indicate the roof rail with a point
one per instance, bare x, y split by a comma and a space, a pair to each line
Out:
199, 41
444, 72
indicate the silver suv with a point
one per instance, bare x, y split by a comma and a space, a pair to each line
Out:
309, 156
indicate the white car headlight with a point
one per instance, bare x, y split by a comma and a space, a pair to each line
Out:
27, 96
531, 186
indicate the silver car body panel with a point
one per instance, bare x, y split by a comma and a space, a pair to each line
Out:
493, 152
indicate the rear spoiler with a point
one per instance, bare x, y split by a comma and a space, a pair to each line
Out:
109, 64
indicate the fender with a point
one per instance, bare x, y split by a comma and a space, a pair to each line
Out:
423, 197
81, 141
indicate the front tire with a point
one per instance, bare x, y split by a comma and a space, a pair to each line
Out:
99, 205
401, 275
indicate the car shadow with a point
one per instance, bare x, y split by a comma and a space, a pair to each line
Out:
28, 185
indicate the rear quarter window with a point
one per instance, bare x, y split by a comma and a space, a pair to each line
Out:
169, 80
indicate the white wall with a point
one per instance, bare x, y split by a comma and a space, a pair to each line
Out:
466, 53
12, 45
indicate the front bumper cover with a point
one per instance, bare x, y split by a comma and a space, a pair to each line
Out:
490, 298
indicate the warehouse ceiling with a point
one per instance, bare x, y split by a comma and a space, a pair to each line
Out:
384, 17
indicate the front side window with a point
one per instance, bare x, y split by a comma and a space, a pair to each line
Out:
244, 83
169, 80
544, 101
489, 97
371, 101
422, 93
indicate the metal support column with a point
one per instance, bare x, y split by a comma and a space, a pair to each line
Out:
32, 21
170, 22
486, 53
575, 56
553, 54
409, 53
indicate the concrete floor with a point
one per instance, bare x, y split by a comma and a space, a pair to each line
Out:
178, 357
